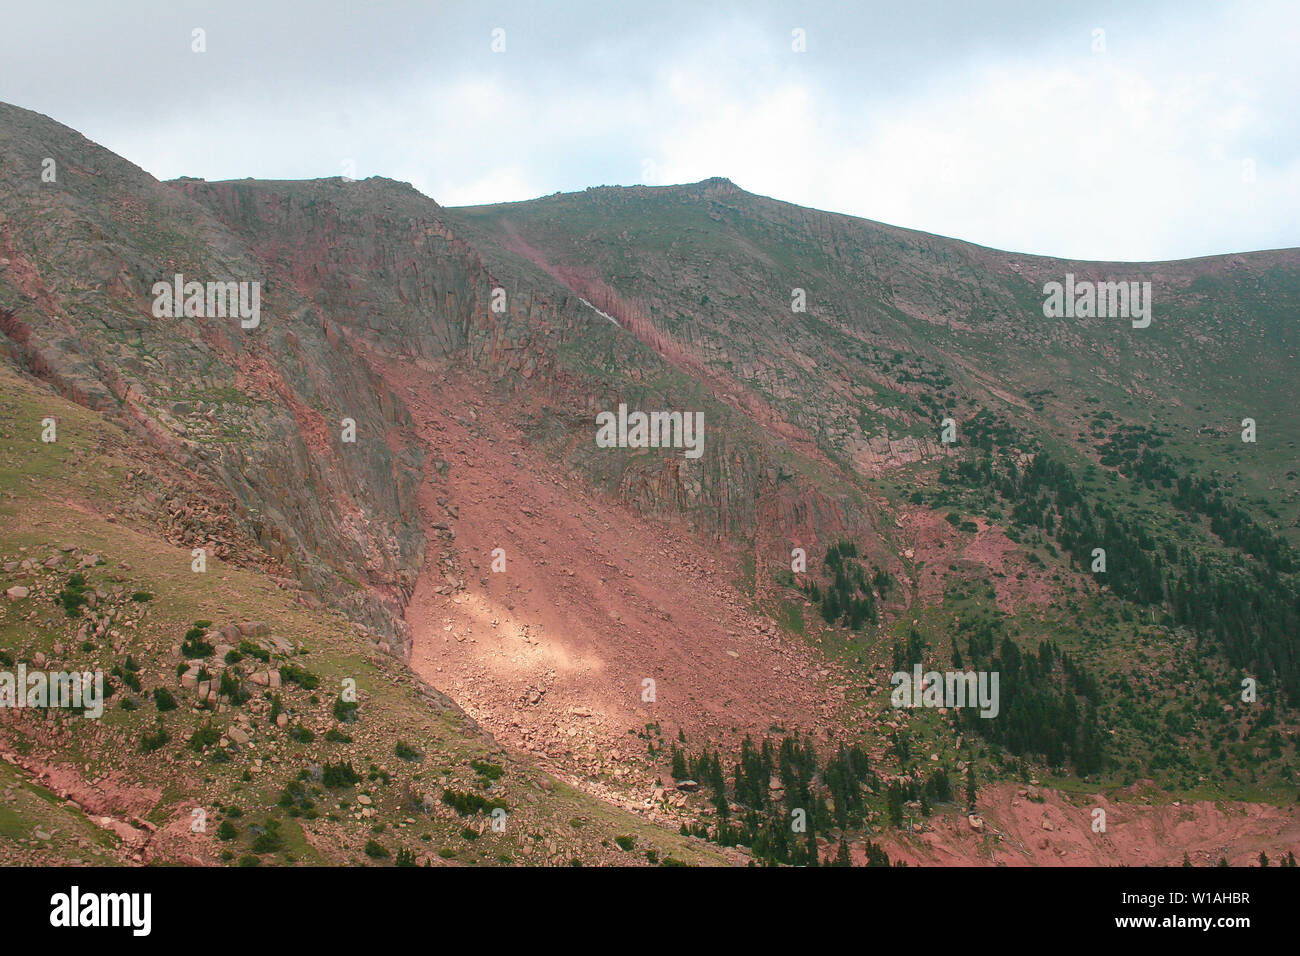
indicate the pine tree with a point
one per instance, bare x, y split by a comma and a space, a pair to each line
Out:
680, 771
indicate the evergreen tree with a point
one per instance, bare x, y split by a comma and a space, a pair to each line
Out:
680, 771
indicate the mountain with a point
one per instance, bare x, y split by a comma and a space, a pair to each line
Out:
391, 461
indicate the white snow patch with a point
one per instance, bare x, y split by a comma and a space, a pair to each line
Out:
597, 311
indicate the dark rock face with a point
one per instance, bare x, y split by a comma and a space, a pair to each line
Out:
259, 411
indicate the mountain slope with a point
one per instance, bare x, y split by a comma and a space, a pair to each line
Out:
901, 327
407, 436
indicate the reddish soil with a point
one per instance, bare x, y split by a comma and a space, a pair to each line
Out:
935, 541
258, 376
119, 805
1031, 826
551, 654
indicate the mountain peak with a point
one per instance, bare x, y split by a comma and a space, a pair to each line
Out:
714, 186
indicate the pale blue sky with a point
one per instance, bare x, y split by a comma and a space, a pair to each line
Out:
998, 123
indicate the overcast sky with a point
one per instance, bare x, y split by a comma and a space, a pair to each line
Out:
1174, 133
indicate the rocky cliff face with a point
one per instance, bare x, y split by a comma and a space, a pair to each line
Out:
256, 410
823, 351
397, 275
347, 272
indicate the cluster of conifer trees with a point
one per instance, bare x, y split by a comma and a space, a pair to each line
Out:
1249, 609
850, 597
1135, 452
1047, 701
937, 788
1040, 698
782, 825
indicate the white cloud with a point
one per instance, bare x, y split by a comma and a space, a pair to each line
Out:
499, 185
998, 126
1082, 157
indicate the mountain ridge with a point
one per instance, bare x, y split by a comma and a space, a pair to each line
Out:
470, 349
